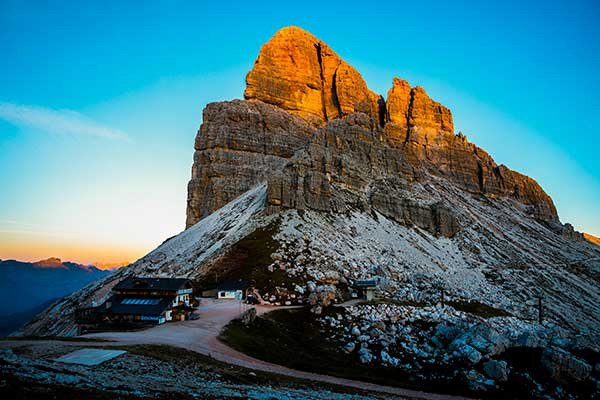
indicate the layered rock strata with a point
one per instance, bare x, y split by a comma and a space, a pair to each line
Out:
352, 162
239, 143
423, 129
349, 166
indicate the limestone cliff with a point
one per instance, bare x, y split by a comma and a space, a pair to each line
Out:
237, 146
301, 96
423, 129
348, 165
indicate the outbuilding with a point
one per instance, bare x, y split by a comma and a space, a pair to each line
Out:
364, 289
232, 289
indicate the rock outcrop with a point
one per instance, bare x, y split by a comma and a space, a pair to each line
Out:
423, 129
237, 146
398, 103
353, 162
300, 74
362, 141
408, 107
564, 366
347, 166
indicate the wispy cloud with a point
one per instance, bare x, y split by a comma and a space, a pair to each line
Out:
24, 228
13, 222
25, 232
60, 121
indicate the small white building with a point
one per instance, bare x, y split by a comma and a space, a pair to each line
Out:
182, 297
232, 290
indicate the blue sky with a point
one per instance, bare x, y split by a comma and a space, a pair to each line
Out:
100, 102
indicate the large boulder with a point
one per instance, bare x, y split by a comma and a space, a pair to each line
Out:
322, 296
468, 353
248, 316
531, 338
445, 334
487, 340
496, 370
563, 366
365, 355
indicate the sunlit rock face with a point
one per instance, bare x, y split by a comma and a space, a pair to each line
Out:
352, 159
297, 84
300, 74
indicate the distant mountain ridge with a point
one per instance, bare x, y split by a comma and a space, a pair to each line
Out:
24, 286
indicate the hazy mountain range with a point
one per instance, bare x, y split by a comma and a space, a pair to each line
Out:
26, 288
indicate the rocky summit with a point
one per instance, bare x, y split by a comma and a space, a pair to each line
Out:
313, 182
297, 75
300, 74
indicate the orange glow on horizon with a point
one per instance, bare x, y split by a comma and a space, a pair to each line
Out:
110, 265
102, 255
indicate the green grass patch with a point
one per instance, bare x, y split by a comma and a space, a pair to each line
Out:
295, 339
248, 259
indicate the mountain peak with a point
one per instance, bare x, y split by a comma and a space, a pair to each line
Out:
52, 262
242, 144
303, 75
313, 182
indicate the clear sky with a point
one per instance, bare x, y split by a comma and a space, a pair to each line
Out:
100, 101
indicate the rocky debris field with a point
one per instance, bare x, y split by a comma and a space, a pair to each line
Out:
322, 255
433, 348
30, 372
488, 355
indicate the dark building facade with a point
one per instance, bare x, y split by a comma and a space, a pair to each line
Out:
137, 300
